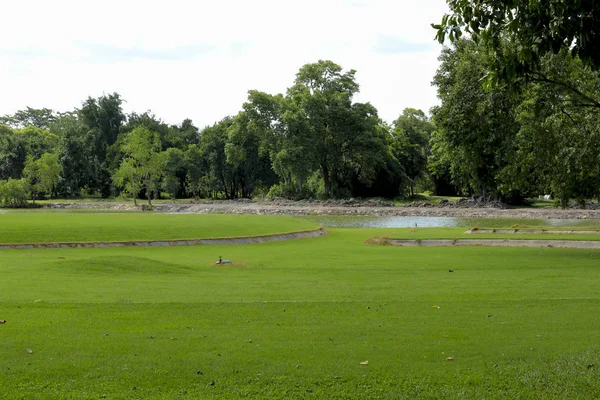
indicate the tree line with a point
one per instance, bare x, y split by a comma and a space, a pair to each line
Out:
519, 116
312, 141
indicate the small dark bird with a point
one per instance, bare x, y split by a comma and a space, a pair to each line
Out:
450, 270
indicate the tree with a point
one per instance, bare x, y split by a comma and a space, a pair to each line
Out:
536, 27
143, 163
344, 135
533, 29
410, 146
475, 128
220, 176
129, 177
105, 116
285, 136
39, 118
80, 166
13, 192
42, 174
243, 152
196, 167
174, 172
558, 141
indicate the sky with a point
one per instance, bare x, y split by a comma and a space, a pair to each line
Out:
198, 59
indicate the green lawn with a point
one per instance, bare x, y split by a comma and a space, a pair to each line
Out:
38, 227
459, 233
297, 320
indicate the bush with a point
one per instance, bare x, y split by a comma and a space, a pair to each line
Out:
281, 191
13, 193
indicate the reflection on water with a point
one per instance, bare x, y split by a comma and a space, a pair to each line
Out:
342, 221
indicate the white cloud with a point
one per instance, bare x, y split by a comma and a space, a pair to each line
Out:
198, 59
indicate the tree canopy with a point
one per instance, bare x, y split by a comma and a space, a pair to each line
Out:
532, 29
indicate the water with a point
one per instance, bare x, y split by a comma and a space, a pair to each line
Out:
342, 221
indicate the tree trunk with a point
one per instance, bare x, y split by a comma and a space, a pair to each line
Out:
326, 182
134, 200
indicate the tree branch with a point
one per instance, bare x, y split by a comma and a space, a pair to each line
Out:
591, 102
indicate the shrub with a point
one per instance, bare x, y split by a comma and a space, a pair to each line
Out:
281, 191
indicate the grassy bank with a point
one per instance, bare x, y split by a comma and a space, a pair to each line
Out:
89, 227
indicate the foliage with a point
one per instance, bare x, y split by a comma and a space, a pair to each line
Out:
475, 128
144, 163
535, 28
42, 174
410, 144
13, 192
174, 172
345, 135
39, 118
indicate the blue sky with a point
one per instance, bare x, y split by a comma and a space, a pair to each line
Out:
198, 59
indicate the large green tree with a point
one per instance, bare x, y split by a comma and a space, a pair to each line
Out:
475, 128
345, 138
533, 30
536, 27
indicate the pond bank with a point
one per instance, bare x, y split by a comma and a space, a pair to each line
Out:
167, 243
303, 208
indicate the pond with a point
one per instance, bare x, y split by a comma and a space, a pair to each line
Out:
342, 221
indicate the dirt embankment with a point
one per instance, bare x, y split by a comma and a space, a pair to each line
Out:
461, 208
169, 243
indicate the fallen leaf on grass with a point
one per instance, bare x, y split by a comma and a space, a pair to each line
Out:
38, 301
364, 363
450, 358
435, 306
29, 351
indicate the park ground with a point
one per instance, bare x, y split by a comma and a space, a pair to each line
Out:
327, 317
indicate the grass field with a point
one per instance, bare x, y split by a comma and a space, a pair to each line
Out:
296, 319
459, 233
80, 227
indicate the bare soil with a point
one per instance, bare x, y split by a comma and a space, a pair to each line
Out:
346, 207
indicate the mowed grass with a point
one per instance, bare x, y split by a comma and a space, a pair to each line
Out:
94, 227
459, 233
296, 319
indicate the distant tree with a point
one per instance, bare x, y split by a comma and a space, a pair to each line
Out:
39, 118
410, 146
196, 170
344, 136
142, 150
250, 165
128, 176
174, 172
80, 166
105, 116
219, 176
42, 174
285, 136
13, 192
